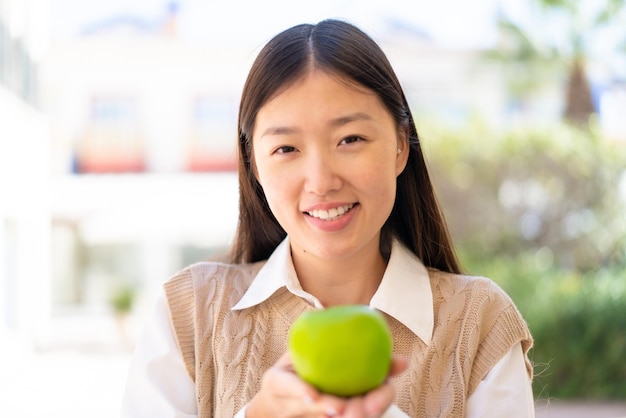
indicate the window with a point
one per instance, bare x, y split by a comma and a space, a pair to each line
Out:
112, 141
212, 142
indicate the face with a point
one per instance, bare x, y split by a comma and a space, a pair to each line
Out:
326, 155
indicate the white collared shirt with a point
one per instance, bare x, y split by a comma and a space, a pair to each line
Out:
158, 384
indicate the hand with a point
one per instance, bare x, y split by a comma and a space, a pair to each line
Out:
283, 395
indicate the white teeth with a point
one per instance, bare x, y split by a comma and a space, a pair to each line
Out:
330, 214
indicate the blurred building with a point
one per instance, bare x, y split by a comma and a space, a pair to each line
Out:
24, 157
445, 84
128, 96
143, 157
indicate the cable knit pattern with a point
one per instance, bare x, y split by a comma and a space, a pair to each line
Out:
226, 352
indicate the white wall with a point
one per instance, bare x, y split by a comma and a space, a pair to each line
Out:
24, 219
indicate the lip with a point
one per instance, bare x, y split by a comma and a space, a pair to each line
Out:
335, 224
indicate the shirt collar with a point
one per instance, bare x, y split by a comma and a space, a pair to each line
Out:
276, 273
404, 292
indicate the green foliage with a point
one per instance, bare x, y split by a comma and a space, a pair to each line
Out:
578, 322
122, 299
543, 213
553, 189
581, 342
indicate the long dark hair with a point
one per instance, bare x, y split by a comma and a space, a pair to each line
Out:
340, 48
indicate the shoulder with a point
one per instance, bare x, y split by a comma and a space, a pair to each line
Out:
190, 294
478, 302
206, 278
212, 270
471, 288
485, 314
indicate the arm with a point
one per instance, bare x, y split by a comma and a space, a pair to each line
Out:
505, 391
158, 384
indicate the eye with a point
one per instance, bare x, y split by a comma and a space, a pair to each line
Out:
285, 149
351, 139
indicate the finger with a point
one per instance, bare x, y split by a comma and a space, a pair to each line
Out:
288, 385
285, 362
398, 365
333, 406
318, 404
324, 407
284, 394
355, 408
377, 401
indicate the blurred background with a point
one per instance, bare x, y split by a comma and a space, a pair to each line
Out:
117, 168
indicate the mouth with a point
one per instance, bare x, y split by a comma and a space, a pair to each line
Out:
332, 213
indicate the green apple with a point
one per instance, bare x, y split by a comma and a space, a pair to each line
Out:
343, 350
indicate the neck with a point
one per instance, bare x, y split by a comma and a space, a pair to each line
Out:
351, 280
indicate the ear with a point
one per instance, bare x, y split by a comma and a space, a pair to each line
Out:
402, 156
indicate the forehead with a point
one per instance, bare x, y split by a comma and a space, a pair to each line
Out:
315, 74
317, 91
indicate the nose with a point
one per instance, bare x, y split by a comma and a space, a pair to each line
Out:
321, 174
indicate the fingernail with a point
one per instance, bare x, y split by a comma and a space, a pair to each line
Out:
330, 412
307, 400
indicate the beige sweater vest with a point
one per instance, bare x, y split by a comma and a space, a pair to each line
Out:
226, 352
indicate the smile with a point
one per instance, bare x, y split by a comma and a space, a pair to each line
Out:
330, 214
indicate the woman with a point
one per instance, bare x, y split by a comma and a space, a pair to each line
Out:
336, 207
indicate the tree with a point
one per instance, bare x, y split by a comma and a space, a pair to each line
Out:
560, 39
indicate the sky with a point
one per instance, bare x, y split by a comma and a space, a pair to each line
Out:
452, 23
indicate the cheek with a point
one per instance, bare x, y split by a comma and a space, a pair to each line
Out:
277, 188
379, 177
275, 193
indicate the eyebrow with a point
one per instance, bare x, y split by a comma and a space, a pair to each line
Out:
343, 120
337, 122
